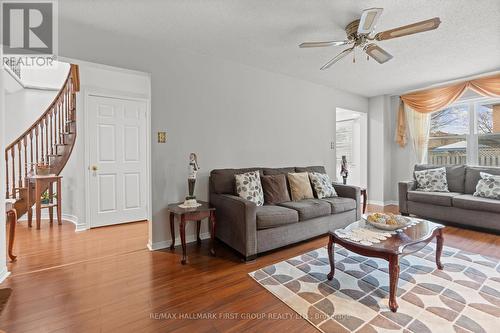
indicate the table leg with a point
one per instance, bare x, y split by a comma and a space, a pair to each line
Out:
365, 199
51, 210
331, 257
439, 248
182, 229
393, 281
212, 232
198, 228
29, 203
59, 202
38, 210
172, 230
12, 218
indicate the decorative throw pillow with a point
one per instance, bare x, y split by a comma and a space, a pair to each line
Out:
275, 189
488, 186
432, 180
322, 185
248, 187
300, 186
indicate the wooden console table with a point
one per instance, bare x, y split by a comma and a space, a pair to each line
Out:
41, 183
191, 214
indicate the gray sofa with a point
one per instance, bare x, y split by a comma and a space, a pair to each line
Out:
251, 230
457, 206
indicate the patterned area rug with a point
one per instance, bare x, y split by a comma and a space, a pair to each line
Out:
464, 297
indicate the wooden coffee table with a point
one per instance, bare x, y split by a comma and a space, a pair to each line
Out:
404, 242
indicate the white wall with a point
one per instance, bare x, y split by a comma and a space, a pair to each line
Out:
388, 162
380, 134
233, 115
3, 254
23, 108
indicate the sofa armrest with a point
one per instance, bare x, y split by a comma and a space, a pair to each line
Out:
349, 191
403, 188
236, 222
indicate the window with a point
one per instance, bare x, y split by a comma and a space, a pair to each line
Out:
466, 132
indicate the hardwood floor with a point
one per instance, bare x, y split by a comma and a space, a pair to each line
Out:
105, 280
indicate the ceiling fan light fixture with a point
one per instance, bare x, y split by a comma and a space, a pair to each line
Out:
378, 53
368, 20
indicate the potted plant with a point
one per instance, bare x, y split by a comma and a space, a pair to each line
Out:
45, 198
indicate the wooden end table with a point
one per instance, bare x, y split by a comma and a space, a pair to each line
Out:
40, 184
197, 214
404, 242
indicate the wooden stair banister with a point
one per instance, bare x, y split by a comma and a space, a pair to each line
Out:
49, 140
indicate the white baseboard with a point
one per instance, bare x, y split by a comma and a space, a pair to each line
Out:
382, 203
4, 273
166, 244
66, 217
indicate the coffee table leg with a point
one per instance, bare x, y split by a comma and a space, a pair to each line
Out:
393, 281
331, 258
439, 248
182, 229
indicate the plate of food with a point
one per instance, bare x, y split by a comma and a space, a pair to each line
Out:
387, 221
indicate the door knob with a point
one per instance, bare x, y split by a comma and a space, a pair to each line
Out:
93, 168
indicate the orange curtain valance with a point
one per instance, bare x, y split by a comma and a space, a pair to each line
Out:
435, 99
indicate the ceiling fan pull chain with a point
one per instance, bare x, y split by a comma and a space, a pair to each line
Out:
354, 56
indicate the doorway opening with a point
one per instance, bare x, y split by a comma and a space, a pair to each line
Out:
351, 142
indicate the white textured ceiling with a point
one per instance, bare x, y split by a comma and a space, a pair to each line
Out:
265, 34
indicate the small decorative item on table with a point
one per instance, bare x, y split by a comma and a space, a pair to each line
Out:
190, 201
387, 221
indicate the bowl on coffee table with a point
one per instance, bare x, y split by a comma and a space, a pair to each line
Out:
388, 222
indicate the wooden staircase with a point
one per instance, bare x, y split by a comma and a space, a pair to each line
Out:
49, 141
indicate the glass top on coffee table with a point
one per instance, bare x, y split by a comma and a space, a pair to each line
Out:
401, 242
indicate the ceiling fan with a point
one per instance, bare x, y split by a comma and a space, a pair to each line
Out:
360, 34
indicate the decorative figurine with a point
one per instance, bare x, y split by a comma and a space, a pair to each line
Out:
193, 170
343, 169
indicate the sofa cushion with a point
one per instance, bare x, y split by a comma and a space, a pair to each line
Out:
300, 186
309, 208
455, 175
468, 201
435, 198
340, 204
432, 180
275, 189
222, 180
269, 216
473, 175
277, 171
318, 169
322, 185
249, 187
488, 186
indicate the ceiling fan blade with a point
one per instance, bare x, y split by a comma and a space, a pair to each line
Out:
409, 29
323, 44
337, 58
368, 20
377, 53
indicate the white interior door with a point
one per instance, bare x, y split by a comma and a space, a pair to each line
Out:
117, 153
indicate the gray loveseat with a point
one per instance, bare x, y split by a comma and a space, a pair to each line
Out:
251, 230
457, 206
